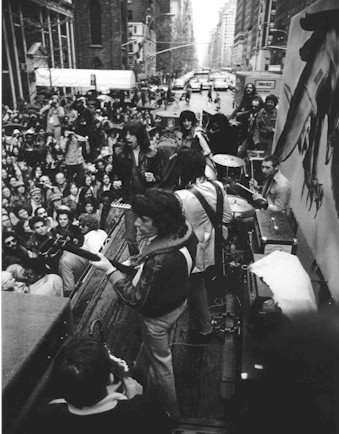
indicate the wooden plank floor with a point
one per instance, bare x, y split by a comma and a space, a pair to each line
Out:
96, 299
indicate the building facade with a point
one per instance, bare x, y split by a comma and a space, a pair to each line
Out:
35, 33
155, 29
261, 33
239, 34
100, 30
222, 37
182, 59
227, 26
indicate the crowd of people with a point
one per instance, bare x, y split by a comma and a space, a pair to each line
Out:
62, 169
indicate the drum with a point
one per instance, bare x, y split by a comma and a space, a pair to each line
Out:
239, 206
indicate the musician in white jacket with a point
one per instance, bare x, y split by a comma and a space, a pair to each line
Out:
192, 164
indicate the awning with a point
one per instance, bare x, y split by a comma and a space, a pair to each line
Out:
86, 78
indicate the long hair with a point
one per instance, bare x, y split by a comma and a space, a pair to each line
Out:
218, 122
189, 116
164, 209
92, 201
191, 165
139, 131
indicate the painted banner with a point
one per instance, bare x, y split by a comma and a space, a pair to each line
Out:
307, 131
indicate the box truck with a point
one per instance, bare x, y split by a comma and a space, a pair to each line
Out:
265, 83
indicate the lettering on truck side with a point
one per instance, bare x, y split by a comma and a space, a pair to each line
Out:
265, 84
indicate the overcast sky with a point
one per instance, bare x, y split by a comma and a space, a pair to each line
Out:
205, 17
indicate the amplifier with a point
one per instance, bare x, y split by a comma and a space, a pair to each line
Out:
33, 330
273, 232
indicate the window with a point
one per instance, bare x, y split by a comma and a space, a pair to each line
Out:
95, 21
130, 15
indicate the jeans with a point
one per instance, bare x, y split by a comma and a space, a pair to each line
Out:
200, 318
153, 366
131, 232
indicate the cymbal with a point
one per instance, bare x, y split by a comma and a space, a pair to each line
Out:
228, 160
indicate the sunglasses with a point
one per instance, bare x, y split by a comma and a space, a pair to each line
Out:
9, 242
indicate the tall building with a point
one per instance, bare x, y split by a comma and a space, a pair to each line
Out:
222, 37
35, 34
101, 34
239, 33
227, 19
261, 33
182, 59
141, 38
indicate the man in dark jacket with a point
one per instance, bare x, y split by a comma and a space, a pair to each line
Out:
159, 288
136, 167
12, 251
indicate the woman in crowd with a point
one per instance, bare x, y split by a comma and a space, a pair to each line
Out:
89, 184
106, 185
90, 207
24, 231
72, 200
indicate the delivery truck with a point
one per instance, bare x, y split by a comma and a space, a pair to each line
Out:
265, 83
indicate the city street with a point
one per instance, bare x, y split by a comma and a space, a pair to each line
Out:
200, 102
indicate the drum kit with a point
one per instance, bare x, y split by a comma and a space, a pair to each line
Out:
238, 204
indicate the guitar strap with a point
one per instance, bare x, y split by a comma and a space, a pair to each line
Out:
216, 220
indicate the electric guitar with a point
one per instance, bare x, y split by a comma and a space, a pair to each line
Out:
56, 245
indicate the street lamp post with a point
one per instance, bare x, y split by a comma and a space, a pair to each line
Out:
162, 14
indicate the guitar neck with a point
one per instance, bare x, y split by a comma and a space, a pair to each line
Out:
130, 271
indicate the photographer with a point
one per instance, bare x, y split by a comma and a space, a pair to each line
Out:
90, 400
55, 114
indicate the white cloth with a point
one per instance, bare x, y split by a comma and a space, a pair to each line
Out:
106, 404
94, 240
50, 284
288, 281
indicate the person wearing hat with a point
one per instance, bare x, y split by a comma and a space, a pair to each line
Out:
36, 200
18, 272
7, 281
54, 203
55, 113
